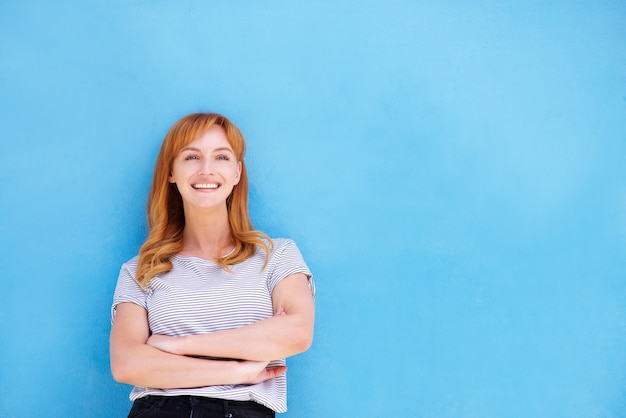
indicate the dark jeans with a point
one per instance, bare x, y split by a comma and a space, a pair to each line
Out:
196, 407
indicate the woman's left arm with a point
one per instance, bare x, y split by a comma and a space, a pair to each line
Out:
288, 332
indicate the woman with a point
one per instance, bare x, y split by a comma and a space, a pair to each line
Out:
206, 313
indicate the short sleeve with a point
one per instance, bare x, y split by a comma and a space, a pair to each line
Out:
127, 288
287, 260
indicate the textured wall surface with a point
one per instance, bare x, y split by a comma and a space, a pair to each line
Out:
452, 171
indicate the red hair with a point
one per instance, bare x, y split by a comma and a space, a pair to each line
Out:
166, 218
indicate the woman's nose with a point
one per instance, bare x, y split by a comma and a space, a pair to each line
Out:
206, 167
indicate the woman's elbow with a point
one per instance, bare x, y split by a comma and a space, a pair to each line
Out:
303, 339
122, 371
305, 344
120, 374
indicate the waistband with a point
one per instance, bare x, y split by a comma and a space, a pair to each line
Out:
215, 404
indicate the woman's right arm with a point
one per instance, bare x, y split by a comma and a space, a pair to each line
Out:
136, 363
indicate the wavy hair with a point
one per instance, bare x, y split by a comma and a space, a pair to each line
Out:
166, 218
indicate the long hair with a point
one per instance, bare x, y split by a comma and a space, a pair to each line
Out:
166, 217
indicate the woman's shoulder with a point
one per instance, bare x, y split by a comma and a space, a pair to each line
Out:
279, 244
131, 264
284, 248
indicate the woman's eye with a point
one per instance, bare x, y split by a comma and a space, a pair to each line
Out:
222, 157
191, 157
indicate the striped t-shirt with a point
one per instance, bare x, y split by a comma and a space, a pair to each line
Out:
197, 296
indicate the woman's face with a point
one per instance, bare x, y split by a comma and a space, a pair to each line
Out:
206, 170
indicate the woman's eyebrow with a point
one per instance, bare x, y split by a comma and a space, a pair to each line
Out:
221, 149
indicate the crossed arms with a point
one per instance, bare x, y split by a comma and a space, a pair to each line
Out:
160, 361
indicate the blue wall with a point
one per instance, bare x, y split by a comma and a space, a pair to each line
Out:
453, 172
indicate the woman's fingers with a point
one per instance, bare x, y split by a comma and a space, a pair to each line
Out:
257, 371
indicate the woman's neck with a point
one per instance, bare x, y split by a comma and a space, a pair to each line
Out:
207, 235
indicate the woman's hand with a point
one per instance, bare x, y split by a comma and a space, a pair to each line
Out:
256, 371
166, 343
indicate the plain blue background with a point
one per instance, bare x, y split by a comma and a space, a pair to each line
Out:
453, 172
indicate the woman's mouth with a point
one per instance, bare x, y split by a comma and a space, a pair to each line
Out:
205, 186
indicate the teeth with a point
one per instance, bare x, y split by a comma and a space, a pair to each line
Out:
205, 186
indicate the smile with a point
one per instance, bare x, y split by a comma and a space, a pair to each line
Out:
206, 186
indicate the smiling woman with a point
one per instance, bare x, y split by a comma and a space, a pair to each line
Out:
205, 315
205, 173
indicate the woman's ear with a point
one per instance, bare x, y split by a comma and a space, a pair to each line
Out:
238, 176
